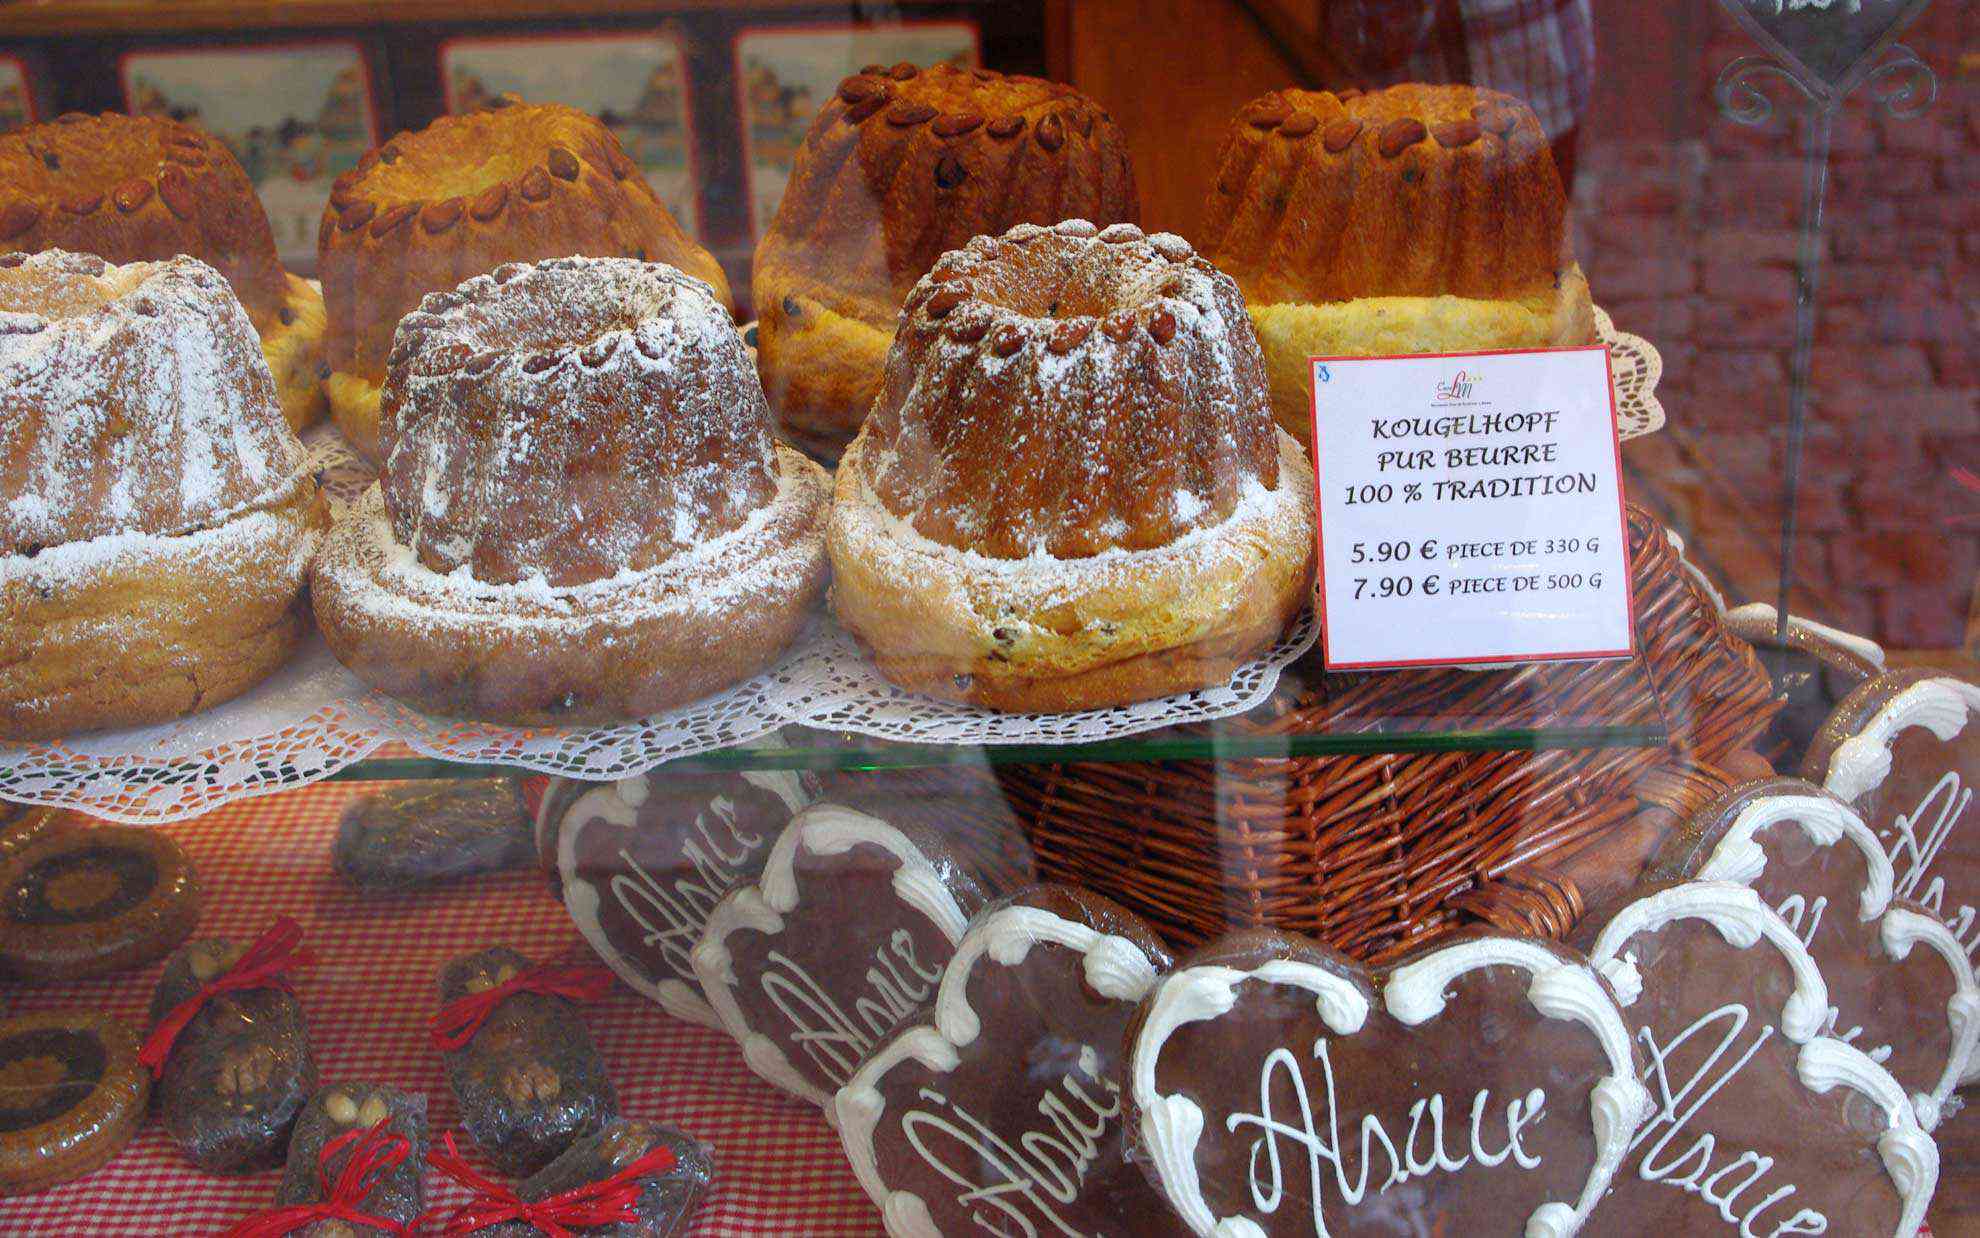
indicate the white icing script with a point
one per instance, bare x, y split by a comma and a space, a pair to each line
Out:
1676, 1102
682, 912
1030, 1182
1268, 1190
1913, 852
898, 985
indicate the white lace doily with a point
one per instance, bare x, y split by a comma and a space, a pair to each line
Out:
314, 718
1636, 367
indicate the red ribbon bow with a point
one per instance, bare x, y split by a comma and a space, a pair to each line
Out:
607, 1201
377, 1153
263, 966
461, 1018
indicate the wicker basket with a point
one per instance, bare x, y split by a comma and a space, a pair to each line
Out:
1375, 854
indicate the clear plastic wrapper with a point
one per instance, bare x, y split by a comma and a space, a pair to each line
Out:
420, 833
397, 1195
666, 1202
240, 1070
530, 1080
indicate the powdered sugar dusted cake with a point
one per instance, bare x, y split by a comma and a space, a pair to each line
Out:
1069, 391
512, 182
571, 419
137, 401
146, 188
582, 516
1073, 464
156, 518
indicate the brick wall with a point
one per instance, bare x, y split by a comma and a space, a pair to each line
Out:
1687, 229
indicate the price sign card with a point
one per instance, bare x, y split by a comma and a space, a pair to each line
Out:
1470, 509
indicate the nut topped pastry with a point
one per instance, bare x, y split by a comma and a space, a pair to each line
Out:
901, 166
1412, 219
512, 182
135, 188
1070, 493
582, 516
156, 511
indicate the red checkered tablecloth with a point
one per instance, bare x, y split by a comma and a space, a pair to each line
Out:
779, 1169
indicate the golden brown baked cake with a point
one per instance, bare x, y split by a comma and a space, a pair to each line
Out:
582, 516
514, 182
1411, 219
900, 167
1070, 493
156, 513
138, 188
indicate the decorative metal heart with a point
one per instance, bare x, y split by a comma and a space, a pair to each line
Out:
1828, 45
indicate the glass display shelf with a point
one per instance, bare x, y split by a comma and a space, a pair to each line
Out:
803, 748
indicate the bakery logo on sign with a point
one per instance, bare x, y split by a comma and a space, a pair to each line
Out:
1044, 1171
1459, 388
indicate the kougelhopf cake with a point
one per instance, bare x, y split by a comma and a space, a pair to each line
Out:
1413, 219
513, 182
156, 513
1070, 493
138, 188
900, 167
582, 515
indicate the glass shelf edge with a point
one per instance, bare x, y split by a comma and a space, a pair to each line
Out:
1121, 751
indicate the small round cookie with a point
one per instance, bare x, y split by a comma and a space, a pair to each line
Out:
71, 1096
80, 903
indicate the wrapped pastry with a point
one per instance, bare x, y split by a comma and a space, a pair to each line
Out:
230, 1050
521, 1062
361, 1147
628, 1179
419, 833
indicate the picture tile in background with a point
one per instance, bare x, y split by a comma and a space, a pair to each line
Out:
636, 83
784, 75
296, 115
17, 109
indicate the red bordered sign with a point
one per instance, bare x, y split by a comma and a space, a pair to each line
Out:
1470, 509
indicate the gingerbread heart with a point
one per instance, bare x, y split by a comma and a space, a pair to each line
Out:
1813, 669
1904, 751
1000, 1113
644, 861
1279, 1088
841, 940
1915, 1011
1758, 1124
